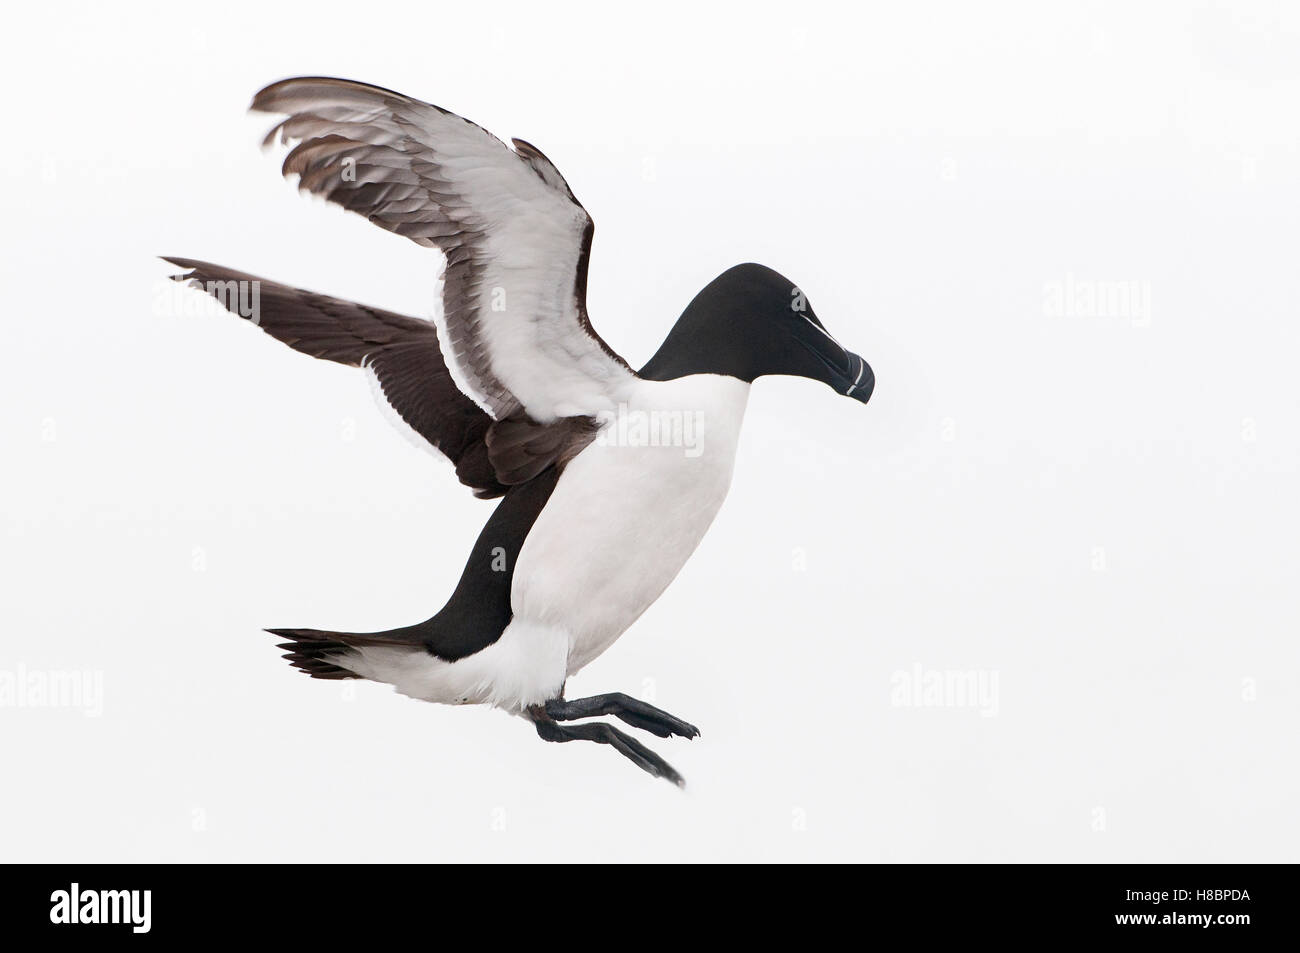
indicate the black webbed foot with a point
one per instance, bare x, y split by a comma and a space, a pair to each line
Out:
631, 710
601, 733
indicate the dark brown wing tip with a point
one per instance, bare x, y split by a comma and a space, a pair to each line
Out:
199, 270
192, 264
266, 99
525, 147
192, 268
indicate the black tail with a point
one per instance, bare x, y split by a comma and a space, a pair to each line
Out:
308, 648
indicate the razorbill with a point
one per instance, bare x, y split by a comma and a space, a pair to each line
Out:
608, 477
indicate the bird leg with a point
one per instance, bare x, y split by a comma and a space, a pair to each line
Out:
645, 759
635, 712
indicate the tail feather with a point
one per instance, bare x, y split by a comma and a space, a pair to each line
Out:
314, 651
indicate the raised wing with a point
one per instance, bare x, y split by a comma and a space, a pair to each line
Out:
514, 325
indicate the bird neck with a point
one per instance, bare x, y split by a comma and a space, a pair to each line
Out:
704, 344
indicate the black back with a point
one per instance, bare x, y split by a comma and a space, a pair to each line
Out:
479, 610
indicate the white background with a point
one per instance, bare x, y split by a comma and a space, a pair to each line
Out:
1099, 511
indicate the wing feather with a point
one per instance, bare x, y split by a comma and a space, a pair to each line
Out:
514, 323
401, 353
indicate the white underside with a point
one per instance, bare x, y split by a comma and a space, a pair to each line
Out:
621, 523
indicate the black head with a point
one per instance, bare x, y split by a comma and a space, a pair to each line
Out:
750, 321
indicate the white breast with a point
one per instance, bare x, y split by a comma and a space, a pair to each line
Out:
629, 510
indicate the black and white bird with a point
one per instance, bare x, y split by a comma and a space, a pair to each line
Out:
599, 510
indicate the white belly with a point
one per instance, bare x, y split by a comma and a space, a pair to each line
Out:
626, 514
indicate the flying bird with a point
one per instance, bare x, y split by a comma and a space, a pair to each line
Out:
603, 497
